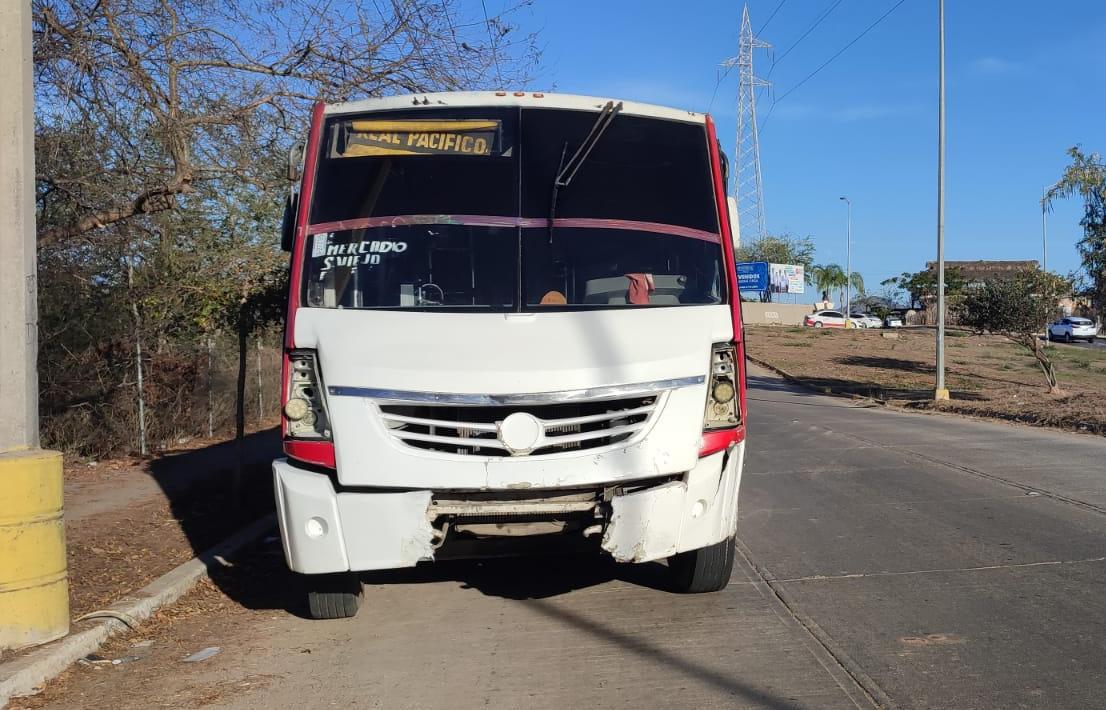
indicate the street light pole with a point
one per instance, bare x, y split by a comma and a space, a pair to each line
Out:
941, 392
1044, 244
848, 261
1044, 231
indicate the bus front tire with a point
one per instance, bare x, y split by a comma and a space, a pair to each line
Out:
707, 569
333, 596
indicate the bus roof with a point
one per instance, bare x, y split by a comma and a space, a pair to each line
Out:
510, 98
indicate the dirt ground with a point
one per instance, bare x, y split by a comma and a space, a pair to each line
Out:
218, 613
130, 520
988, 376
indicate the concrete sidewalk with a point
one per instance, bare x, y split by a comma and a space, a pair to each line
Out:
115, 484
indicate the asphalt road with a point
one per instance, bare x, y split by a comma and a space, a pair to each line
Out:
1099, 342
894, 559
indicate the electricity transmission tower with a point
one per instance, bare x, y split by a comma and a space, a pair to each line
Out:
747, 187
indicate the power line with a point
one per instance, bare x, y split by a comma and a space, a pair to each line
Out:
778, 6
813, 26
817, 21
826, 63
719, 76
494, 46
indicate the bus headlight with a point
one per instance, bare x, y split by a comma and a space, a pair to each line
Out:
721, 410
297, 408
723, 391
305, 410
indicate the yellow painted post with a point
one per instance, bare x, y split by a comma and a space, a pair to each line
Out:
34, 588
34, 593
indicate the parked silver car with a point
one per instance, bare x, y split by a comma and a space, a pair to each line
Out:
866, 320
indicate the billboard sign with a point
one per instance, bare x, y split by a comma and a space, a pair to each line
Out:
752, 275
785, 278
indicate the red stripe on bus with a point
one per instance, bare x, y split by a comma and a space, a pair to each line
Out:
725, 228
470, 220
307, 188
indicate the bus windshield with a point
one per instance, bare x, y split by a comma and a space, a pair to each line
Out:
449, 209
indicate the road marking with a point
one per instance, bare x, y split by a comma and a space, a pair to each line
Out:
982, 474
833, 658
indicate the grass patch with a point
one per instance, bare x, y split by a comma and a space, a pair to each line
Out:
990, 376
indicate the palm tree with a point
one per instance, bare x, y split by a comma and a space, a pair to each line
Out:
826, 278
831, 277
857, 282
1086, 178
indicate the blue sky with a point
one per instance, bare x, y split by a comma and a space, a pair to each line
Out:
1024, 82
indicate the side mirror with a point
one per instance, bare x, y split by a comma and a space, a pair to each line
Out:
295, 161
725, 160
288, 223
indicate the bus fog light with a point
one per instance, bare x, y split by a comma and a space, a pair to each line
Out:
315, 527
698, 508
297, 408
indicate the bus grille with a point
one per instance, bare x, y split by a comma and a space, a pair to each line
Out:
474, 431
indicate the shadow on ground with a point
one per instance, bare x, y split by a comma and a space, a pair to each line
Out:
886, 363
859, 388
261, 581
524, 569
199, 485
541, 569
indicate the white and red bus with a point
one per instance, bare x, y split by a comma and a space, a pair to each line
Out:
511, 314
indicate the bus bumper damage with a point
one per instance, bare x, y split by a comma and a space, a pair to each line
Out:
326, 531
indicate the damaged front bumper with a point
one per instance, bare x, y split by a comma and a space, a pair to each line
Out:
325, 531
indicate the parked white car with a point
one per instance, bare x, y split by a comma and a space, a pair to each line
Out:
866, 320
892, 321
1073, 328
825, 319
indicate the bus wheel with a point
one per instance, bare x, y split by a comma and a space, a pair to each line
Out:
707, 569
333, 596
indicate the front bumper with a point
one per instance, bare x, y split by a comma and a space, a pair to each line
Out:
326, 531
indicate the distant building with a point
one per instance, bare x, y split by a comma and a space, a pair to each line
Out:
973, 273
982, 270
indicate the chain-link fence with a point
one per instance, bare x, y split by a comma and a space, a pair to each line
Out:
188, 390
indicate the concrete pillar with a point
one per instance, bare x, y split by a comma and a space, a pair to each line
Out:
34, 599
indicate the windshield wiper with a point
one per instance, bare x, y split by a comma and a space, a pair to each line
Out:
567, 171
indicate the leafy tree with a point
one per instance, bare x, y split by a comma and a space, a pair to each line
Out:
1016, 307
778, 249
1086, 177
922, 285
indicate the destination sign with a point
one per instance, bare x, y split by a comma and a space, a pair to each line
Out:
417, 137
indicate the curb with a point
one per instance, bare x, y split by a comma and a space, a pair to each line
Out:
23, 675
807, 386
1011, 420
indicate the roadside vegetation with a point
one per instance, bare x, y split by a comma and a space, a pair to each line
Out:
988, 375
162, 132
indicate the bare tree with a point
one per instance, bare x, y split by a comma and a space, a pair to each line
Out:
144, 101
